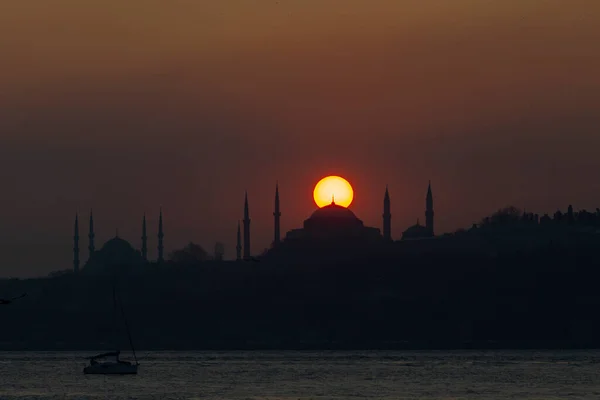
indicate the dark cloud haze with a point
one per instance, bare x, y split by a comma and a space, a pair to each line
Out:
126, 106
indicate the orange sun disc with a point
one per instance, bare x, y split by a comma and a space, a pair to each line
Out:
333, 189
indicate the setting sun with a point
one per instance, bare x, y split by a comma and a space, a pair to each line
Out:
333, 189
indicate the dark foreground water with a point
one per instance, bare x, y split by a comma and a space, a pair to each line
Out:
309, 375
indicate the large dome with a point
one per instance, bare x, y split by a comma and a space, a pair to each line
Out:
334, 223
116, 252
333, 211
117, 245
332, 220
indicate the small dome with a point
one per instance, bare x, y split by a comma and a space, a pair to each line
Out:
333, 211
416, 231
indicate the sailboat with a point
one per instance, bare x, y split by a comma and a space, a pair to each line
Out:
109, 363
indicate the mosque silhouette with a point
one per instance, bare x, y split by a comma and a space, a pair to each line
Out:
116, 251
328, 228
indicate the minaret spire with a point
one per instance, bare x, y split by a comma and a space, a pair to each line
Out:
387, 216
144, 249
277, 216
160, 258
91, 236
429, 211
246, 229
76, 245
238, 247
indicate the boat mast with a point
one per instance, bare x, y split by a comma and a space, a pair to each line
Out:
115, 329
128, 333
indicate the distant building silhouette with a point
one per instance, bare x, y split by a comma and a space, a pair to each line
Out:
238, 246
277, 216
558, 216
545, 220
387, 216
144, 249
76, 245
160, 258
429, 211
246, 229
219, 251
570, 216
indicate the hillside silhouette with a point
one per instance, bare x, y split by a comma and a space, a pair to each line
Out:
509, 282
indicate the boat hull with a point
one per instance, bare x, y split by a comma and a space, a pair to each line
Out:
111, 369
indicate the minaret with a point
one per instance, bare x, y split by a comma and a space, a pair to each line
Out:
91, 236
429, 211
238, 247
76, 245
160, 258
387, 216
246, 229
277, 215
144, 249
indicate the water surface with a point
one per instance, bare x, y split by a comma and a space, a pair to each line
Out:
309, 375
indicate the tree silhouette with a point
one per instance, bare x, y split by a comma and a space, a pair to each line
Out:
190, 254
504, 216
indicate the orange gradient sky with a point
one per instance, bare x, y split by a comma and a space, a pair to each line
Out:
124, 106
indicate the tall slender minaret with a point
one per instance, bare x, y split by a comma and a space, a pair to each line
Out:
429, 211
246, 229
160, 258
76, 245
238, 247
277, 215
91, 236
387, 216
144, 249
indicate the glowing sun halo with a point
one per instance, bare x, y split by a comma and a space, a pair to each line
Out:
333, 187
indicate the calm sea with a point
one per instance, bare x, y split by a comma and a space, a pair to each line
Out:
309, 375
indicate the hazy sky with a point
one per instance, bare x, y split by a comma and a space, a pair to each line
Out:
124, 106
